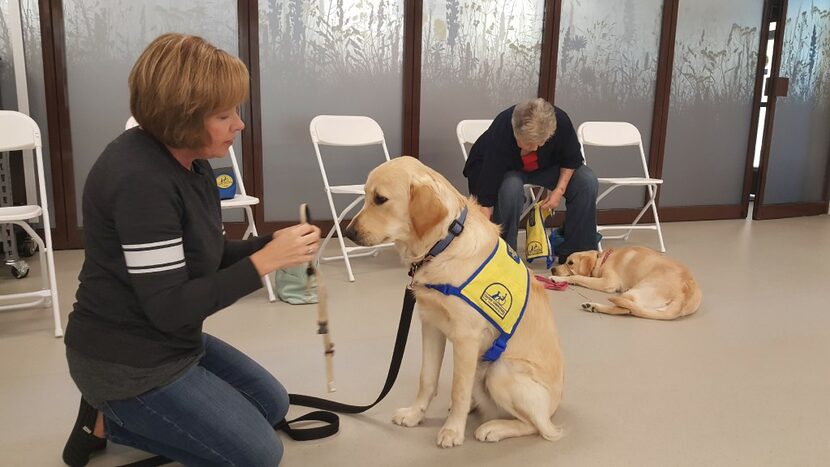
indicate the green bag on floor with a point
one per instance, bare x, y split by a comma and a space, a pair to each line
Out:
290, 284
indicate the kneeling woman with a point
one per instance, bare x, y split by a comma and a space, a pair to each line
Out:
157, 265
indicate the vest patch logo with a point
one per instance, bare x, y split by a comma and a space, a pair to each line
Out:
224, 181
534, 248
498, 298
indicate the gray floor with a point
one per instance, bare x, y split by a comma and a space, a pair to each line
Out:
744, 382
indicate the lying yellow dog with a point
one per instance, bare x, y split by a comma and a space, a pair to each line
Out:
654, 286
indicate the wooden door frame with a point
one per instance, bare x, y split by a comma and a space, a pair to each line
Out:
53, 47
782, 210
756, 109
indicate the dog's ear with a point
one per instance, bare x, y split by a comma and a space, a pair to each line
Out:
588, 263
425, 208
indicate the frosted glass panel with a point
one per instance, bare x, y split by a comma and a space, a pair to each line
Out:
800, 138
8, 100
325, 57
607, 71
37, 87
30, 18
478, 58
103, 40
713, 79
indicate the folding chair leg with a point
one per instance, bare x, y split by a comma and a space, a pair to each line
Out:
47, 271
343, 249
657, 223
639, 216
56, 312
248, 233
323, 246
531, 198
251, 230
266, 281
336, 227
44, 268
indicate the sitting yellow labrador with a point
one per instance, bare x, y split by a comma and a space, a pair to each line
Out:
474, 291
653, 285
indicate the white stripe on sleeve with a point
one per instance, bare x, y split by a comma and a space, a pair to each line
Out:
158, 269
154, 257
144, 246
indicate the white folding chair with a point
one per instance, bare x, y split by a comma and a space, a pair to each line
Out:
468, 131
618, 134
240, 200
19, 132
345, 130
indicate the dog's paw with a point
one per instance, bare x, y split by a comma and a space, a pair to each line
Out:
408, 416
559, 278
450, 437
489, 432
591, 307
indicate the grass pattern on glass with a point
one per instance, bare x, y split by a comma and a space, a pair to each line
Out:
608, 53
330, 40
805, 55
491, 45
709, 70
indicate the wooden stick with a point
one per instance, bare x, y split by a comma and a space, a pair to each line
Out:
322, 310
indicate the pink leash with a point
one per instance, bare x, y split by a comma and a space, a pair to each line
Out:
551, 285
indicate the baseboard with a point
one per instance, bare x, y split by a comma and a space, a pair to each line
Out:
667, 214
781, 211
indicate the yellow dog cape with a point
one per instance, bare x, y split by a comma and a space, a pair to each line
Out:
538, 242
498, 290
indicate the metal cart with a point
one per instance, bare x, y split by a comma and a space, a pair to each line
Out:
12, 249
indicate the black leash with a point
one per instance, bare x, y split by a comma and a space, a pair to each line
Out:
325, 415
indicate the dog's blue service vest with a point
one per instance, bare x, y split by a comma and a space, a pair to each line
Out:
498, 290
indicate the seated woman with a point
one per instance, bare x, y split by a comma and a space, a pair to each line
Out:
534, 142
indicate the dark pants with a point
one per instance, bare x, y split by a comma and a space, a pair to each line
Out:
220, 412
580, 228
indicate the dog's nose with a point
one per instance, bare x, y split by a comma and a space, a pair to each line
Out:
350, 232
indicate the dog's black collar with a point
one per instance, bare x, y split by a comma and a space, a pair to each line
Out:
454, 230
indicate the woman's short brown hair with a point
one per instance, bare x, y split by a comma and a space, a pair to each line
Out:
178, 81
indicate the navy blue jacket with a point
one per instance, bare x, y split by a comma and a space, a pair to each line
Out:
496, 153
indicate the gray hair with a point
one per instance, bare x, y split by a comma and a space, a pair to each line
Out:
534, 121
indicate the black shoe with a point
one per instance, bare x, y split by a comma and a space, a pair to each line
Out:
82, 443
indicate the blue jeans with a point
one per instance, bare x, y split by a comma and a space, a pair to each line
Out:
580, 230
220, 412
